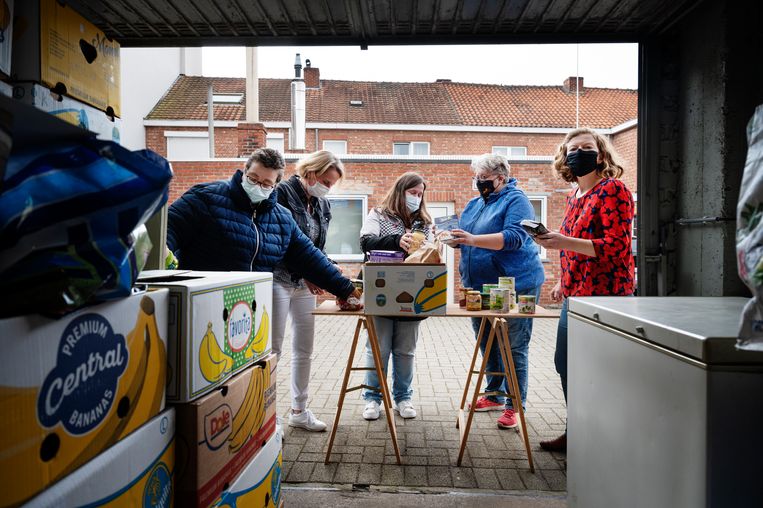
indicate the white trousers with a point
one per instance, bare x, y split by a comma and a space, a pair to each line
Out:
299, 303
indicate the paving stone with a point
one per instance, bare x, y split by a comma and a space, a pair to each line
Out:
534, 481
486, 479
439, 476
415, 476
463, 477
509, 479
300, 472
324, 473
392, 475
373, 454
557, 480
346, 473
370, 474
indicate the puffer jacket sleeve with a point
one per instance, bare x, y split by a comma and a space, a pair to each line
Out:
185, 216
306, 260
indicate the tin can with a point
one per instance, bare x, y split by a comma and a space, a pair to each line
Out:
527, 304
473, 300
512, 301
499, 300
462, 297
485, 300
506, 283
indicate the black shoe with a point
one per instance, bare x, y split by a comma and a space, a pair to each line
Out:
556, 445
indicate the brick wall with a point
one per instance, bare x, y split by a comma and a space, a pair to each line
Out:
626, 146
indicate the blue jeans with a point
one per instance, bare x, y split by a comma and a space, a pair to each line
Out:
397, 338
560, 355
520, 332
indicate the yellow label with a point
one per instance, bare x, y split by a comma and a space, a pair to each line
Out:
77, 54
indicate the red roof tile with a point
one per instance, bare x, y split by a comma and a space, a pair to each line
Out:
440, 103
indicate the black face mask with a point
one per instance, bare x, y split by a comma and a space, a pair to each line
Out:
486, 187
582, 162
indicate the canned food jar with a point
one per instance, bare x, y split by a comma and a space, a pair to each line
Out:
485, 300
462, 297
358, 284
473, 300
506, 283
527, 304
487, 287
499, 299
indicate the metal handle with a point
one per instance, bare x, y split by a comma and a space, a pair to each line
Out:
640, 330
596, 316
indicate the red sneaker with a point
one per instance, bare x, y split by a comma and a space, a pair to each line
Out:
485, 404
507, 420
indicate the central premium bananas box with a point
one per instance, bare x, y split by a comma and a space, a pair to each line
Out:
219, 323
395, 289
221, 432
70, 388
137, 471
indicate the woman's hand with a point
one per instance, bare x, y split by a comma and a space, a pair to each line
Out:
462, 237
556, 292
405, 241
551, 240
313, 288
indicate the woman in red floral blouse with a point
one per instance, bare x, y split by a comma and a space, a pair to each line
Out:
594, 240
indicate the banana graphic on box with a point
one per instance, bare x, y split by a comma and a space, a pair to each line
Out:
251, 414
213, 362
30, 460
432, 297
260, 341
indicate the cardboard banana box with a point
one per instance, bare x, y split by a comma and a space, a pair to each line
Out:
221, 432
219, 324
73, 387
137, 471
259, 485
393, 289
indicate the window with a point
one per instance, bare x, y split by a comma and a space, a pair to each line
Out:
508, 151
227, 98
187, 145
539, 206
275, 141
343, 238
411, 148
338, 147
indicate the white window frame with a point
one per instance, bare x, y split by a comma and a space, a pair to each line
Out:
276, 136
342, 152
227, 98
350, 258
410, 146
201, 135
543, 216
508, 150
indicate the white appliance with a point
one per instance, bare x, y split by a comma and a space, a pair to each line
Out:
663, 411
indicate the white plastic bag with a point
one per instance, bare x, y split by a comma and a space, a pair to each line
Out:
749, 237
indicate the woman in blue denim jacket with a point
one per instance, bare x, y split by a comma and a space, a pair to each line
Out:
493, 244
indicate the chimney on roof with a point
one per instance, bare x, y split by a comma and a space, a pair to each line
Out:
573, 84
312, 76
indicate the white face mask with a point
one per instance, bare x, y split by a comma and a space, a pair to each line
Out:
317, 189
412, 202
255, 192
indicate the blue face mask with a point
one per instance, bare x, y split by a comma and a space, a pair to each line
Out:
255, 192
412, 202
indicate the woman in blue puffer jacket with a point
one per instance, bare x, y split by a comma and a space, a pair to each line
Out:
237, 225
493, 244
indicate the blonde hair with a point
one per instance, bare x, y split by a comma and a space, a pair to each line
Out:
610, 167
318, 163
394, 202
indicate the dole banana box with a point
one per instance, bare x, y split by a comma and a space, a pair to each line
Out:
222, 431
393, 289
136, 472
259, 484
57, 47
71, 388
219, 323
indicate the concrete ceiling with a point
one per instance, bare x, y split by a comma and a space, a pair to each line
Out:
167, 23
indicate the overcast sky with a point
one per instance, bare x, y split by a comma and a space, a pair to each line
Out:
601, 65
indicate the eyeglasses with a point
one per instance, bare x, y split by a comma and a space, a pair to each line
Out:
484, 178
263, 186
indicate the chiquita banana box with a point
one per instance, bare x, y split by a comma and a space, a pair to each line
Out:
71, 388
136, 472
394, 289
219, 433
219, 323
259, 485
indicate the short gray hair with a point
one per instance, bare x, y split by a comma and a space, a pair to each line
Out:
493, 163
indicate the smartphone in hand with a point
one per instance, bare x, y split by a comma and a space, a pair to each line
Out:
534, 228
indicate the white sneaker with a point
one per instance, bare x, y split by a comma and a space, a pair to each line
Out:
306, 420
405, 409
372, 410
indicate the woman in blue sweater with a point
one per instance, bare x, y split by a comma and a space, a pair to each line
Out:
493, 244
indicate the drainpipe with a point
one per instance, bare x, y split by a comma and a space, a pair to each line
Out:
211, 121
297, 129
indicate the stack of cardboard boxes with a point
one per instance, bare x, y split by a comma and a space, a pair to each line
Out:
223, 387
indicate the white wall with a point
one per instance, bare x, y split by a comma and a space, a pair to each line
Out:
147, 73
